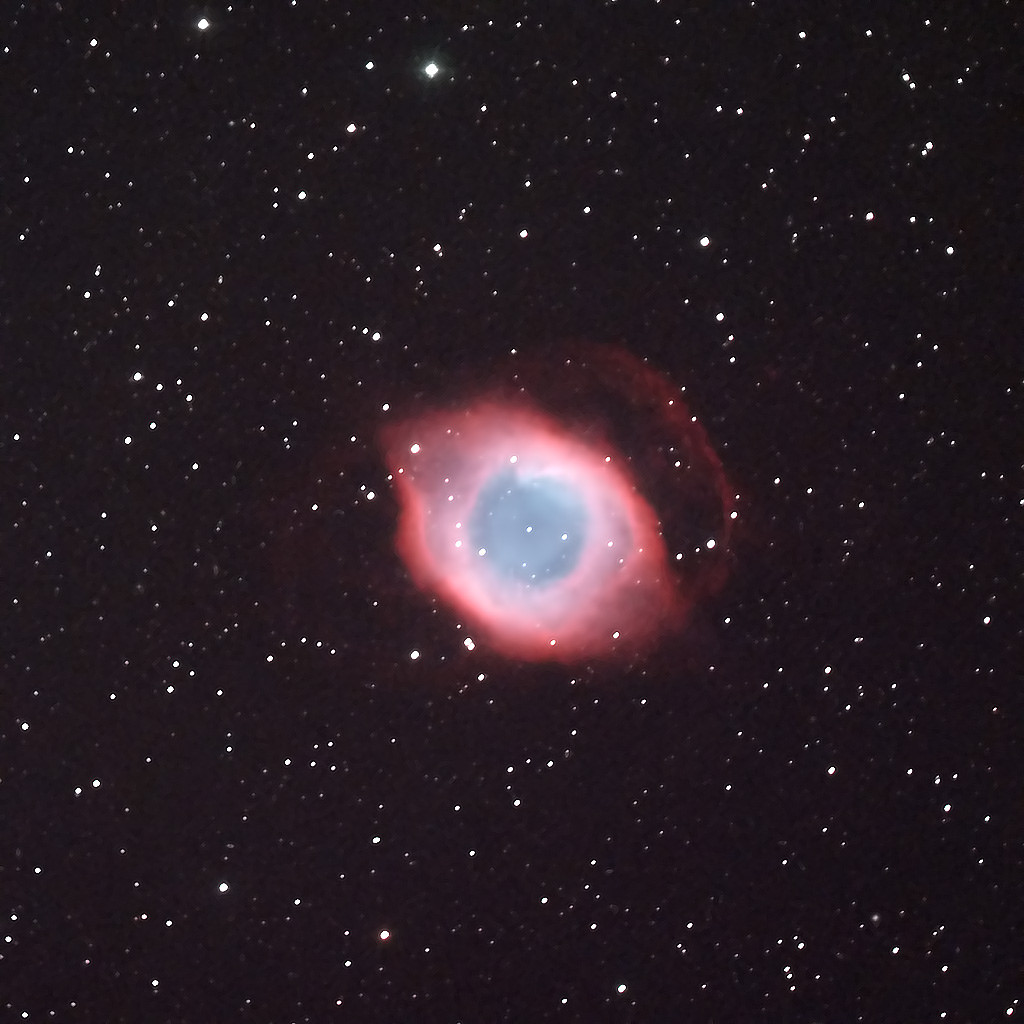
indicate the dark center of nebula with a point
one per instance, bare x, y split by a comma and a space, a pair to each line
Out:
531, 531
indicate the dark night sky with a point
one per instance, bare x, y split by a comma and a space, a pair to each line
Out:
227, 790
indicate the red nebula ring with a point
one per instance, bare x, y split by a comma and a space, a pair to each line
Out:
617, 592
573, 510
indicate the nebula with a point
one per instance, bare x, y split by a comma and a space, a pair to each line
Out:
532, 511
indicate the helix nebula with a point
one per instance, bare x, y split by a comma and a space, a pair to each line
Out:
577, 512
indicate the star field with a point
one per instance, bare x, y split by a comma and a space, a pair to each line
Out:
250, 771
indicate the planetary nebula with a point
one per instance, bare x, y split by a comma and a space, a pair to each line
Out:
532, 525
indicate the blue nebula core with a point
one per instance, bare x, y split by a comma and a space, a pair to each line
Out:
531, 531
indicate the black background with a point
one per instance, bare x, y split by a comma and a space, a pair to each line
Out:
222, 776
